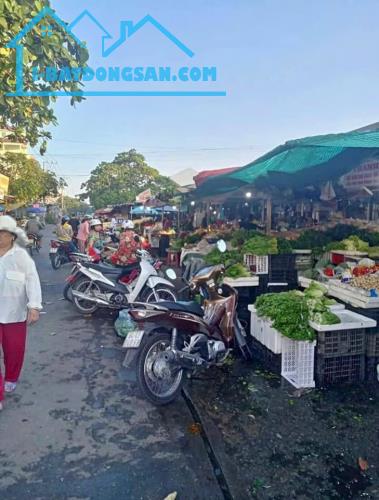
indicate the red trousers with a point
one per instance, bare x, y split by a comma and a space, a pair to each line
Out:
12, 340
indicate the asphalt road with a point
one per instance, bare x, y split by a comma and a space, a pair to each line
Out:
76, 429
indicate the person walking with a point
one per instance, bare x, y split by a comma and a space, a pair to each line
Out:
83, 234
20, 299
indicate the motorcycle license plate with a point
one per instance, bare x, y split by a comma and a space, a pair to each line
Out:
53, 250
133, 339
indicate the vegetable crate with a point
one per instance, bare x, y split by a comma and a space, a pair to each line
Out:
372, 334
372, 363
261, 330
257, 263
282, 261
272, 362
342, 342
298, 362
340, 369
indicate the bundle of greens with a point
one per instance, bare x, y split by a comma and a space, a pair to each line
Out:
227, 258
317, 303
260, 245
289, 314
176, 244
237, 271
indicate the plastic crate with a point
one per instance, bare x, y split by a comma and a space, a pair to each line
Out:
284, 276
372, 363
272, 362
342, 342
282, 261
372, 344
261, 329
258, 264
340, 369
298, 362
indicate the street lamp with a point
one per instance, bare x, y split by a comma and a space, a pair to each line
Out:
248, 194
192, 203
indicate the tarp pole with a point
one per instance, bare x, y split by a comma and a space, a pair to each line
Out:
269, 216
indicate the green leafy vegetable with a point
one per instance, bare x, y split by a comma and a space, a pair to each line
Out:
261, 245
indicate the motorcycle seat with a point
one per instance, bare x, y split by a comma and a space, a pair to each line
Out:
189, 307
112, 270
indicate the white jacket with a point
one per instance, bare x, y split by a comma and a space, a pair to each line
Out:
20, 288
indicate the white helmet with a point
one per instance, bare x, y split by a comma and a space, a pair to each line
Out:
95, 222
128, 224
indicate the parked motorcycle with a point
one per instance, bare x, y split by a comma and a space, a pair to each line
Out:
60, 253
174, 338
96, 290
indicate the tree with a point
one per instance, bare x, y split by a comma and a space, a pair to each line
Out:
74, 205
28, 117
28, 181
121, 180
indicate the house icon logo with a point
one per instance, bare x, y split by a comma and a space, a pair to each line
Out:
47, 21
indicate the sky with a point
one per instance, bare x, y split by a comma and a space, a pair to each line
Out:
290, 69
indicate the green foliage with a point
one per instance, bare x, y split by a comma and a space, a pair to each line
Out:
30, 116
176, 244
240, 236
74, 205
227, 258
121, 180
289, 313
284, 246
28, 181
237, 271
260, 245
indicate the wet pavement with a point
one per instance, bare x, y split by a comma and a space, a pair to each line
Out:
75, 429
281, 443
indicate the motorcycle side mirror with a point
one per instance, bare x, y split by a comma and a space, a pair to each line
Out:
170, 273
137, 239
221, 246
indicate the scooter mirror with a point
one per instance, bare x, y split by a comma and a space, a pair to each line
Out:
170, 273
221, 245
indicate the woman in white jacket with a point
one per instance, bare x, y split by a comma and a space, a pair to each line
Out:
20, 300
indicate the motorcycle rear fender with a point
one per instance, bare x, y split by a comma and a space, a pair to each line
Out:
154, 281
96, 276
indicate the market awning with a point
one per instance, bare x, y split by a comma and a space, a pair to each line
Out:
299, 163
206, 174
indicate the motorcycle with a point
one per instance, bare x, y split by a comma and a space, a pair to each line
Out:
127, 274
172, 339
34, 243
96, 290
60, 253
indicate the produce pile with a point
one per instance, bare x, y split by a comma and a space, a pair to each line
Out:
350, 244
290, 312
367, 282
232, 261
260, 245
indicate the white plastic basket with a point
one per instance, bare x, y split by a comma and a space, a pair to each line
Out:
262, 330
298, 359
259, 262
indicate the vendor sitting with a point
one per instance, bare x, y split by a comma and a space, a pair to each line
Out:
126, 252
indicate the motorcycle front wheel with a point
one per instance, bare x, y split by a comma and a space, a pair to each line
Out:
159, 294
156, 379
56, 260
88, 287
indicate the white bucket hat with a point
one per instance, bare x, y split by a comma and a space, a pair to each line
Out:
9, 224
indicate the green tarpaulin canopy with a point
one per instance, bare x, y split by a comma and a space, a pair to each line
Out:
299, 163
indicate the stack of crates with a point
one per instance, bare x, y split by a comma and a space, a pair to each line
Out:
340, 356
282, 269
372, 342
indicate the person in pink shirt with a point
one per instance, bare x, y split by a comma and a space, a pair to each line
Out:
83, 234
